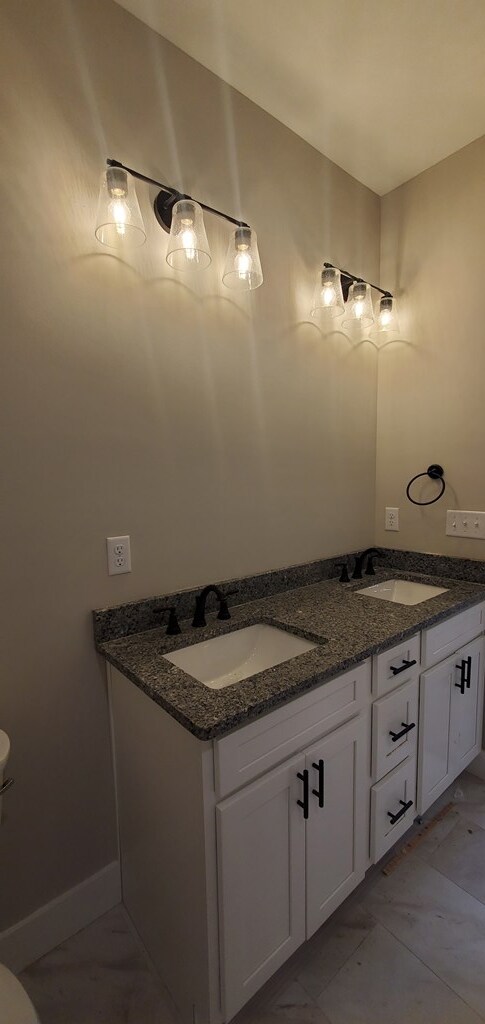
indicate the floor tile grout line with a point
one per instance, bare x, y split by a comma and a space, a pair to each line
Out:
432, 971
454, 884
448, 879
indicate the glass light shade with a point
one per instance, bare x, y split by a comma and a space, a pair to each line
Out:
119, 222
242, 269
188, 248
386, 314
359, 305
328, 301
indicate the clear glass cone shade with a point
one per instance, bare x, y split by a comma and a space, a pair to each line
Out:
188, 248
119, 222
359, 305
386, 314
328, 301
242, 268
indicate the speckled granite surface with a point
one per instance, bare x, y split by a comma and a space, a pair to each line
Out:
135, 617
346, 626
467, 569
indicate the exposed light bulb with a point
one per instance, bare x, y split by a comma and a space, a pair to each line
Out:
243, 261
385, 317
328, 295
188, 238
121, 215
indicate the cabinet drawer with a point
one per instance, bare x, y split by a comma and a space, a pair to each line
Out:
441, 640
389, 797
394, 728
394, 667
255, 748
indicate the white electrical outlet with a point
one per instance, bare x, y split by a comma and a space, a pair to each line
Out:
391, 521
119, 555
465, 524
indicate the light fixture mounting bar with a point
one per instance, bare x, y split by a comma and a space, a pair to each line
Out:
359, 280
218, 213
142, 177
173, 192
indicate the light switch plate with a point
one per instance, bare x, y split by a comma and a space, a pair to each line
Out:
465, 524
119, 555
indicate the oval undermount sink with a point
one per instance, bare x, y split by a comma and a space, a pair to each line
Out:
402, 591
227, 659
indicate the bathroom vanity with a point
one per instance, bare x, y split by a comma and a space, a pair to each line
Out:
242, 829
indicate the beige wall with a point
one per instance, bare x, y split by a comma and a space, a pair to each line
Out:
225, 435
431, 394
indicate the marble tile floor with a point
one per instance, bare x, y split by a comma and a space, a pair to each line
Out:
407, 948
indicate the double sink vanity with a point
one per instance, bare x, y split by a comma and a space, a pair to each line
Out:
264, 762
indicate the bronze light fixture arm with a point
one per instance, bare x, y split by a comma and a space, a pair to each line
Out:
348, 279
168, 196
142, 177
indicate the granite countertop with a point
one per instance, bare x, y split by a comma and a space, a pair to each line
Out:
346, 626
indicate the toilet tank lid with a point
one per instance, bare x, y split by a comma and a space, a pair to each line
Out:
4, 749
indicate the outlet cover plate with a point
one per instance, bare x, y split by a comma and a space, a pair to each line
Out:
391, 521
465, 524
119, 555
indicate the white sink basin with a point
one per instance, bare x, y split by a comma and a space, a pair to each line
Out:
228, 659
402, 591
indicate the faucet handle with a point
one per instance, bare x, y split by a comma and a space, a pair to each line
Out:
370, 571
357, 573
224, 612
344, 575
173, 627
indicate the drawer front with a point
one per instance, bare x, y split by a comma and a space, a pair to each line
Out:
394, 728
445, 638
396, 666
392, 798
254, 749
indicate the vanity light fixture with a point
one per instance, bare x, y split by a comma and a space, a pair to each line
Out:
338, 292
242, 269
328, 300
119, 222
386, 314
359, 305
188, 248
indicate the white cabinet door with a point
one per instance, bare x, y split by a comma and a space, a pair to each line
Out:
261, 857
336, 829
450, 720
466, 706
434, 769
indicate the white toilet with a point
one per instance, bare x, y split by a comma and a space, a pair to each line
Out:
15, 1005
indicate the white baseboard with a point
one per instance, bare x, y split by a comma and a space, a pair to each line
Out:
55, 922
477, 767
